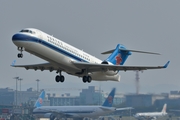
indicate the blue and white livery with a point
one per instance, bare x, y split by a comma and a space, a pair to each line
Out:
62, 57
76, 112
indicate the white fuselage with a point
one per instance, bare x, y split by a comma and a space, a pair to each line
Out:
61, 54
150, 115
72, 111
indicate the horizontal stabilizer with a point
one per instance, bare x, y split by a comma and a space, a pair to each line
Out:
110, 51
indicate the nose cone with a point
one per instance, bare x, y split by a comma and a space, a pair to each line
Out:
18, 37
15, 37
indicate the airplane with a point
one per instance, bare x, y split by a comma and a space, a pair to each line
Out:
151, 115
75, 112
62, 57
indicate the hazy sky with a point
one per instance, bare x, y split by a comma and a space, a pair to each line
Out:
96, 26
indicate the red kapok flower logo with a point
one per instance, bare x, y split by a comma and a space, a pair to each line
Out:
40, 100
118, 59
110, 99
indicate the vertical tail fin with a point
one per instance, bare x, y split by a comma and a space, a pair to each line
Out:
40, 99
119, 55
164, 108
109, 100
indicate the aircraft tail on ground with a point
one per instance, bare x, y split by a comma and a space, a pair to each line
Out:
109, 100
164, 108
40, 99
120, 54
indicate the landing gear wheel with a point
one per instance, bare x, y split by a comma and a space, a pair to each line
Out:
89, 79
20, 55
62, 78
84, 79
57, 78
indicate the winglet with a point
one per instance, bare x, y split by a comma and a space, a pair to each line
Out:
166, 65
13, 63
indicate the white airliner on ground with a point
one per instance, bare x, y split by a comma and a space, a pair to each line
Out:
75, 112
64, 57
151, 115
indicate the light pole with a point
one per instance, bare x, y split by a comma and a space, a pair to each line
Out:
16, 88
20, 79
37, 85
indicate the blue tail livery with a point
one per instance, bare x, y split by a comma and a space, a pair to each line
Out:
118, 57
39, 101
109, 100
120, 54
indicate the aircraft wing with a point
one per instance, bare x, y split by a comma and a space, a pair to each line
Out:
92, 67
109, 109
126, 108
43, 66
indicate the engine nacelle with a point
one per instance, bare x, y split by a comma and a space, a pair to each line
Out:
109, 72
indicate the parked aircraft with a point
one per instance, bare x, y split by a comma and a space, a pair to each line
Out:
75, 112
151, 115
63, 57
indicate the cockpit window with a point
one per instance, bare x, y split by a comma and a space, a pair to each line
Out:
28, 31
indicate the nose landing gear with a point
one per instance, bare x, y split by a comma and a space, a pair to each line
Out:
20, 55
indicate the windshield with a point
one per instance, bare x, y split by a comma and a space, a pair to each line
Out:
28, 31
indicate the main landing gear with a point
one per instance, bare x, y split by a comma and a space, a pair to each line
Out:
20, 55
86, 79
59, 78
